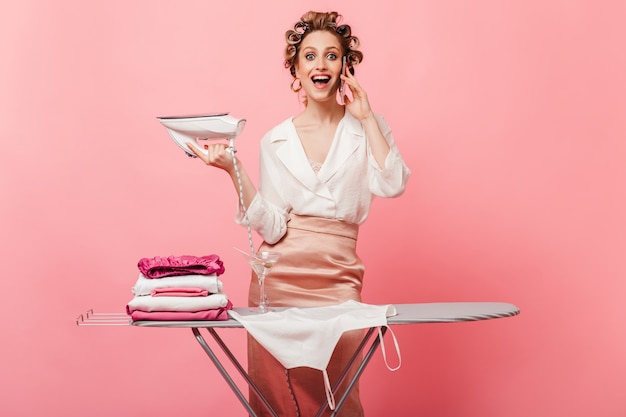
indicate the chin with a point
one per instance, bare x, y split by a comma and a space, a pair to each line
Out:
322, 96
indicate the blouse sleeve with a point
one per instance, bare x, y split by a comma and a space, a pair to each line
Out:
389, 181
267, 213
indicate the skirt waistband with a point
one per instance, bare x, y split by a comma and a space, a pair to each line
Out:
323, 225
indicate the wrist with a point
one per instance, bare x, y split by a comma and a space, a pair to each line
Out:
368, 119
238, 173
232, 171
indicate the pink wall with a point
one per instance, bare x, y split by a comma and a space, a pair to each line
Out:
510, 115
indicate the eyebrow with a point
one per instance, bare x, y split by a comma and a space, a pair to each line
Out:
330, 48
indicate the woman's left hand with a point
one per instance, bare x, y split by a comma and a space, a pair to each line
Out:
359, 106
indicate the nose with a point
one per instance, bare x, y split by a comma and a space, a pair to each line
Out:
321, 63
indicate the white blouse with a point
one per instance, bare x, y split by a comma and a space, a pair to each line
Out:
342, 189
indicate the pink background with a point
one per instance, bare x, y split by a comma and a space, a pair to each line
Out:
509, 114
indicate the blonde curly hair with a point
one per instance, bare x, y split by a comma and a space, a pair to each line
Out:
312, 21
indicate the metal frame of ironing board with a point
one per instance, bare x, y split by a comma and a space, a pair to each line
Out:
406, 314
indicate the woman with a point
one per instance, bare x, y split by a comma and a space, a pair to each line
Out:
319, 171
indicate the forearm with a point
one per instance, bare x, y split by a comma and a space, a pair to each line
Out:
378, 144
243, 184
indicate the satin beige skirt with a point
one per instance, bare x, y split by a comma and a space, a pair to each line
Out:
318, 266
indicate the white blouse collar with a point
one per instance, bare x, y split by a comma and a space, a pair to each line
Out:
347, 139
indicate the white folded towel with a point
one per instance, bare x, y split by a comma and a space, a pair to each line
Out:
145, 286
149, 303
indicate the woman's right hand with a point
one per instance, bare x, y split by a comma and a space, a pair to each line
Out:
214, 154
219, 155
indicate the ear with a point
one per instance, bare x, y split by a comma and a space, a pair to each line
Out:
295, 70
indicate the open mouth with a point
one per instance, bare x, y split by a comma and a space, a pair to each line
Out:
320, 80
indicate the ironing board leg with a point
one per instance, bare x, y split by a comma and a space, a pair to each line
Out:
241, 371
225, 374
372, 349
358, 373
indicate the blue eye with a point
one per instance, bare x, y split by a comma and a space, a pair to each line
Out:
309, 57
332, 56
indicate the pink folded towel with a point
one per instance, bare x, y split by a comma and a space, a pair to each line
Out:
179, 292
217, 314
159, 267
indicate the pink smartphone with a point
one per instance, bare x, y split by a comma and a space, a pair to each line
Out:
344, 62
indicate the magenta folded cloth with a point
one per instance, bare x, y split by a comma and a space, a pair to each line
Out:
170, 266
217, 314
179, 292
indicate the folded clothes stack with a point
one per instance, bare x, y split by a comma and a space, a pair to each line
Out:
179, 288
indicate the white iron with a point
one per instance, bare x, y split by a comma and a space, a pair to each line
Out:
187, 129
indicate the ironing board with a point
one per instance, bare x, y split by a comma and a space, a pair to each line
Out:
407, 314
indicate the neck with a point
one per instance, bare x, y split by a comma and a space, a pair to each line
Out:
324, 112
